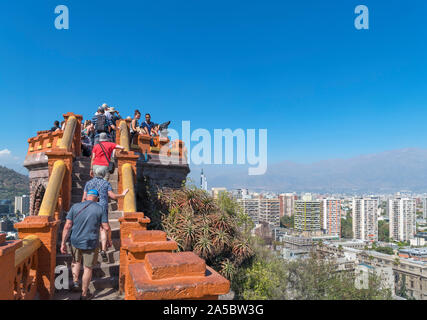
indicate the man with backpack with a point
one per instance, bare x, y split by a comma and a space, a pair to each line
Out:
102, 124
84, 221
103, 154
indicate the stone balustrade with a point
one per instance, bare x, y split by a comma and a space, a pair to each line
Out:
150, 267
143, 143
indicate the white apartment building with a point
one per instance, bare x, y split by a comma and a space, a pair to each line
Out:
287, 204
217, 191
269, 211
402, 215
307, 215
251, 208
22, 204
365, 219
331, 216
262, 210
424, 208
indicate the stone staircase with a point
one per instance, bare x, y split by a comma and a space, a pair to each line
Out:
105, 275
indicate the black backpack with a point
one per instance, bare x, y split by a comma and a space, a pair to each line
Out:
101, 123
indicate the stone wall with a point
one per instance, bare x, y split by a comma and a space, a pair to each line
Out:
37, 165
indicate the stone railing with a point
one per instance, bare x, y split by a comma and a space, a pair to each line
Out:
149, 266
27, 265
141, 143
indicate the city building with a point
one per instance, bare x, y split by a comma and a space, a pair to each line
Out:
307, 214
402, 219
269, 211
424, 207
331, 216
5, 206
251, 208
262, 210
365, 223
240, 193
22, 204
287, 204
217, 191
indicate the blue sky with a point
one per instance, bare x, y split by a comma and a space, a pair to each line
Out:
297, 68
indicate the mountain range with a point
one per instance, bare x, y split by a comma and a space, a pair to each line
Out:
390, 171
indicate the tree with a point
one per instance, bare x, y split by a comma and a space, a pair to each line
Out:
287, 222
383, 231
347, 227
216, 230
386, 250
315, 278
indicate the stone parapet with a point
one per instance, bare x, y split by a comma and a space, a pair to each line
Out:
128, 222
46, 229
180, 275
7, 267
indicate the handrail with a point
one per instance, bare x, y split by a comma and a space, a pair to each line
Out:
129, 202
50, 198
68, 136
124, 135
29, 245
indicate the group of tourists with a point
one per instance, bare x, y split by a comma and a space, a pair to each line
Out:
87, 222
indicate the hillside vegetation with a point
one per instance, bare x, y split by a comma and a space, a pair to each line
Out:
12, 184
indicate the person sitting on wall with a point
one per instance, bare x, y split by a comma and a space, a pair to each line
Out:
84, 221
134, 126
149, 127
55, 126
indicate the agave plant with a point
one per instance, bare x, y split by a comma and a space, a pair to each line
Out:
210, 227
241, 249
204, 247
228, 270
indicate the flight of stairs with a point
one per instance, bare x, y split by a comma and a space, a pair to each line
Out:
105, 275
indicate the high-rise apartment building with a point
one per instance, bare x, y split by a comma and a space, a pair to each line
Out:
331, 216
269, 211
307, 214
262, 209
287, 204
203, 181
22, 204
425, 208
217, 191
365, 223
251, 208
402, 215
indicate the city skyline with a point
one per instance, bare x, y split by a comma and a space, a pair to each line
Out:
150, 58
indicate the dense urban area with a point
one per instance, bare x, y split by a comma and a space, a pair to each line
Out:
365, 234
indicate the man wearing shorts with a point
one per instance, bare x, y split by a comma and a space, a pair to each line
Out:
84, 221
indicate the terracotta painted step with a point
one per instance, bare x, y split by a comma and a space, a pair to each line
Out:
115, 214
104, 292
102, 270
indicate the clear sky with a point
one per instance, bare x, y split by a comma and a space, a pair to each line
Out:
297, 68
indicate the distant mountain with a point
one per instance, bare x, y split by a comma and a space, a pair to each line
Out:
384, 172
12, 183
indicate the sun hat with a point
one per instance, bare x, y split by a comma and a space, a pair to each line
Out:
103, 137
